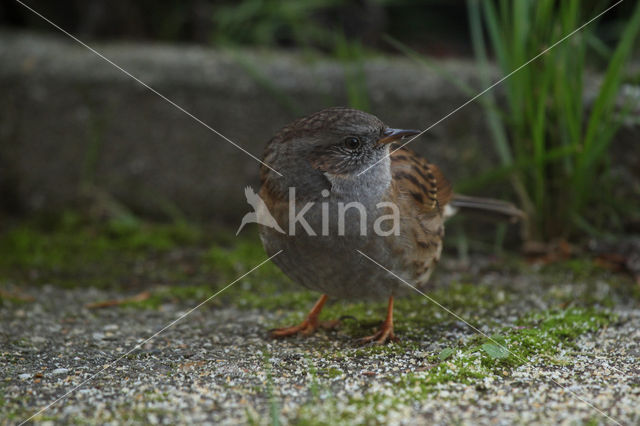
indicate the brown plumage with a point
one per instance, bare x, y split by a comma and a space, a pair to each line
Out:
420, 189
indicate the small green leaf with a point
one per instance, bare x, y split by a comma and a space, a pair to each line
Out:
446, 353
495, 351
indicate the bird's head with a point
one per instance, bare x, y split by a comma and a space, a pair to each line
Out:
332, 143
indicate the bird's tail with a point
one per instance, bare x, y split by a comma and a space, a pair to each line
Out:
487, 207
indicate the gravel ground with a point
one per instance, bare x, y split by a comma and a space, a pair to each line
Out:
217, 366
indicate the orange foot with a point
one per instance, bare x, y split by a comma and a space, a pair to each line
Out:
309, 325
385, 334
305, 328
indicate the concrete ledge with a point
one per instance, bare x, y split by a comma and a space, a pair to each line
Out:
68, 119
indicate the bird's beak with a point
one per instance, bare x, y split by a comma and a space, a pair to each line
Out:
392, 135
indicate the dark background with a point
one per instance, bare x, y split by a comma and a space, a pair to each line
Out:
435, 27
110, 135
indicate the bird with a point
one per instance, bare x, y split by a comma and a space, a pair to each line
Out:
343, 188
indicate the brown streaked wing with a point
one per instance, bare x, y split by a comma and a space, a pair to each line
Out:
422, 191
423, 181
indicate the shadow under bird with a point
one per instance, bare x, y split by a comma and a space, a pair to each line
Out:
345, 189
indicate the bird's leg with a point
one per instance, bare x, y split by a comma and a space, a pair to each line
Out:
310, 323
385, 333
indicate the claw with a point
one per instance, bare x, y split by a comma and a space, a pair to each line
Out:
380, 338
309, 325
385, 334
305, 328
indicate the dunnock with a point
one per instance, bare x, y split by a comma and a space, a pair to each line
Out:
344, 187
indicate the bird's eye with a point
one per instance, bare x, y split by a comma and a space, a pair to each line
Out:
352, 142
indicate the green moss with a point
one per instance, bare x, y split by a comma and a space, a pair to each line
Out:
71, 240
547, 331
71, 251
331, 373
233, 259
542, 334
536, 334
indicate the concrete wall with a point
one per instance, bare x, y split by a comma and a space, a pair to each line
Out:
68, 119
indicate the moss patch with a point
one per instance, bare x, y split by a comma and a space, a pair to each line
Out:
73, 252
478, 362
71, 241
189, 262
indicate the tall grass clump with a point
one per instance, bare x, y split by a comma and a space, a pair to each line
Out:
553, 143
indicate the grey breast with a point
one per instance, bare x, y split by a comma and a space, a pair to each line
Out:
331, 263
